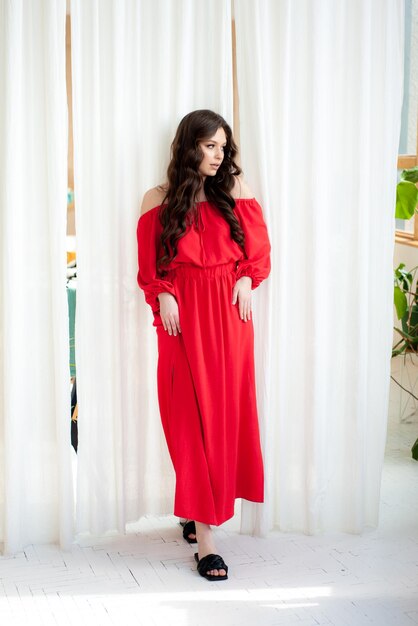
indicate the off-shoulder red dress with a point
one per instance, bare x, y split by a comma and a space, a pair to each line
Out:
205, 374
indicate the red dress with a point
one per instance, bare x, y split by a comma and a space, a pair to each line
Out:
205, 374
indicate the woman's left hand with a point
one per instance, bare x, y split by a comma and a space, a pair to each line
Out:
242, 292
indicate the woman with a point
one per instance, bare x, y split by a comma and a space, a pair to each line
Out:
203, 247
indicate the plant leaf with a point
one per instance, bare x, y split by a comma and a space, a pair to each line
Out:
399, 299
406, 200
414, 451
410, 174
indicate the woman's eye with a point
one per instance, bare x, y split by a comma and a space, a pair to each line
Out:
212, 145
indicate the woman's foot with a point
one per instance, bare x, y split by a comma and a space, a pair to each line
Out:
207, 546
192, 537
189, 530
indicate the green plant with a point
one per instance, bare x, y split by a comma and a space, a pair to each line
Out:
404, 296
407, 194
406, 305
406, 300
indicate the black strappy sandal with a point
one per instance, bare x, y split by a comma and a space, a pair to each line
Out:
208, 562
189, 528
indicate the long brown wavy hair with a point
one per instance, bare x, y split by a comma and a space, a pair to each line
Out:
184, 181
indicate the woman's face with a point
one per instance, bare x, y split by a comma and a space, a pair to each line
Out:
213, 153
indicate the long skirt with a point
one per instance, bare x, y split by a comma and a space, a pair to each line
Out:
207, 397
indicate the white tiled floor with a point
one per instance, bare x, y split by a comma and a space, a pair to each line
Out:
148, 577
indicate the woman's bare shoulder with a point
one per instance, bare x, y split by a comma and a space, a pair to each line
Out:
152, 198
241, 189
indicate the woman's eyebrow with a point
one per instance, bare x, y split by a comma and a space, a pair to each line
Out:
213, 141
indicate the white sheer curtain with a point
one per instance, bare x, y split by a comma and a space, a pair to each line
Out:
320, 88
35, 464
138, 67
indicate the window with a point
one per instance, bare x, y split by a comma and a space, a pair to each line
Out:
407, 230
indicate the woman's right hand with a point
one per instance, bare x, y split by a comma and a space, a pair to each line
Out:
169, 313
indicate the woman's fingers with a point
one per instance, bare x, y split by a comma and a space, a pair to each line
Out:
169, 313
242, 292
171, 324
245, 309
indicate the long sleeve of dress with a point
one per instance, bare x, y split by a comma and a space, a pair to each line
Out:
148, 238
257, 246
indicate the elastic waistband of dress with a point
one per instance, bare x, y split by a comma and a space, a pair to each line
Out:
204, 272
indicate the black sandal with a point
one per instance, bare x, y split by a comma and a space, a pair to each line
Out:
189, 527
208, 562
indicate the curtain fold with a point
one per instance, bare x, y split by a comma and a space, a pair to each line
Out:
36, 496
320, 92
138, 68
